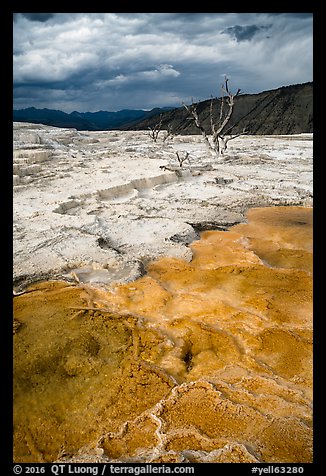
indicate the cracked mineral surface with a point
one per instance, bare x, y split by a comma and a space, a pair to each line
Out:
207, 356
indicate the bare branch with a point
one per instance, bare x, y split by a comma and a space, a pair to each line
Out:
193, 112
182, 159
244, 131
169, 132
211, 115
226, 80
154, 131
230, 103
221, 109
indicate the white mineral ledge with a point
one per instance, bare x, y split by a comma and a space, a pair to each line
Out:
97, 206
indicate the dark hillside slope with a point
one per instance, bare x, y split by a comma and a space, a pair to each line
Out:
286, 110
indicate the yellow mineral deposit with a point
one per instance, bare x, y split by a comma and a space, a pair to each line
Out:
207, 361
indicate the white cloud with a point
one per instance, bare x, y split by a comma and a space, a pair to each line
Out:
161, 72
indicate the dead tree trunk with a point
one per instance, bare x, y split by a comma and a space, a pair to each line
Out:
219, 136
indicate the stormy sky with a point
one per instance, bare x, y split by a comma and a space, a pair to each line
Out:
112, 61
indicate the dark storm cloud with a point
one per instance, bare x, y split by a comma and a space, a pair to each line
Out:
242, 33
297, 15
40, 17
92, 61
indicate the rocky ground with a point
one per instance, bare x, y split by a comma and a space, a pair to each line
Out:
98, 206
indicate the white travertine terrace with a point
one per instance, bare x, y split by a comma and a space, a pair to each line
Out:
88, 201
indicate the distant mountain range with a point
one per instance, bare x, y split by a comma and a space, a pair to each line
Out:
85, 121
286, 110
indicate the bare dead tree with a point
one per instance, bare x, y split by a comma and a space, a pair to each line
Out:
154, 131
169, 132
183, 159
219, 134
